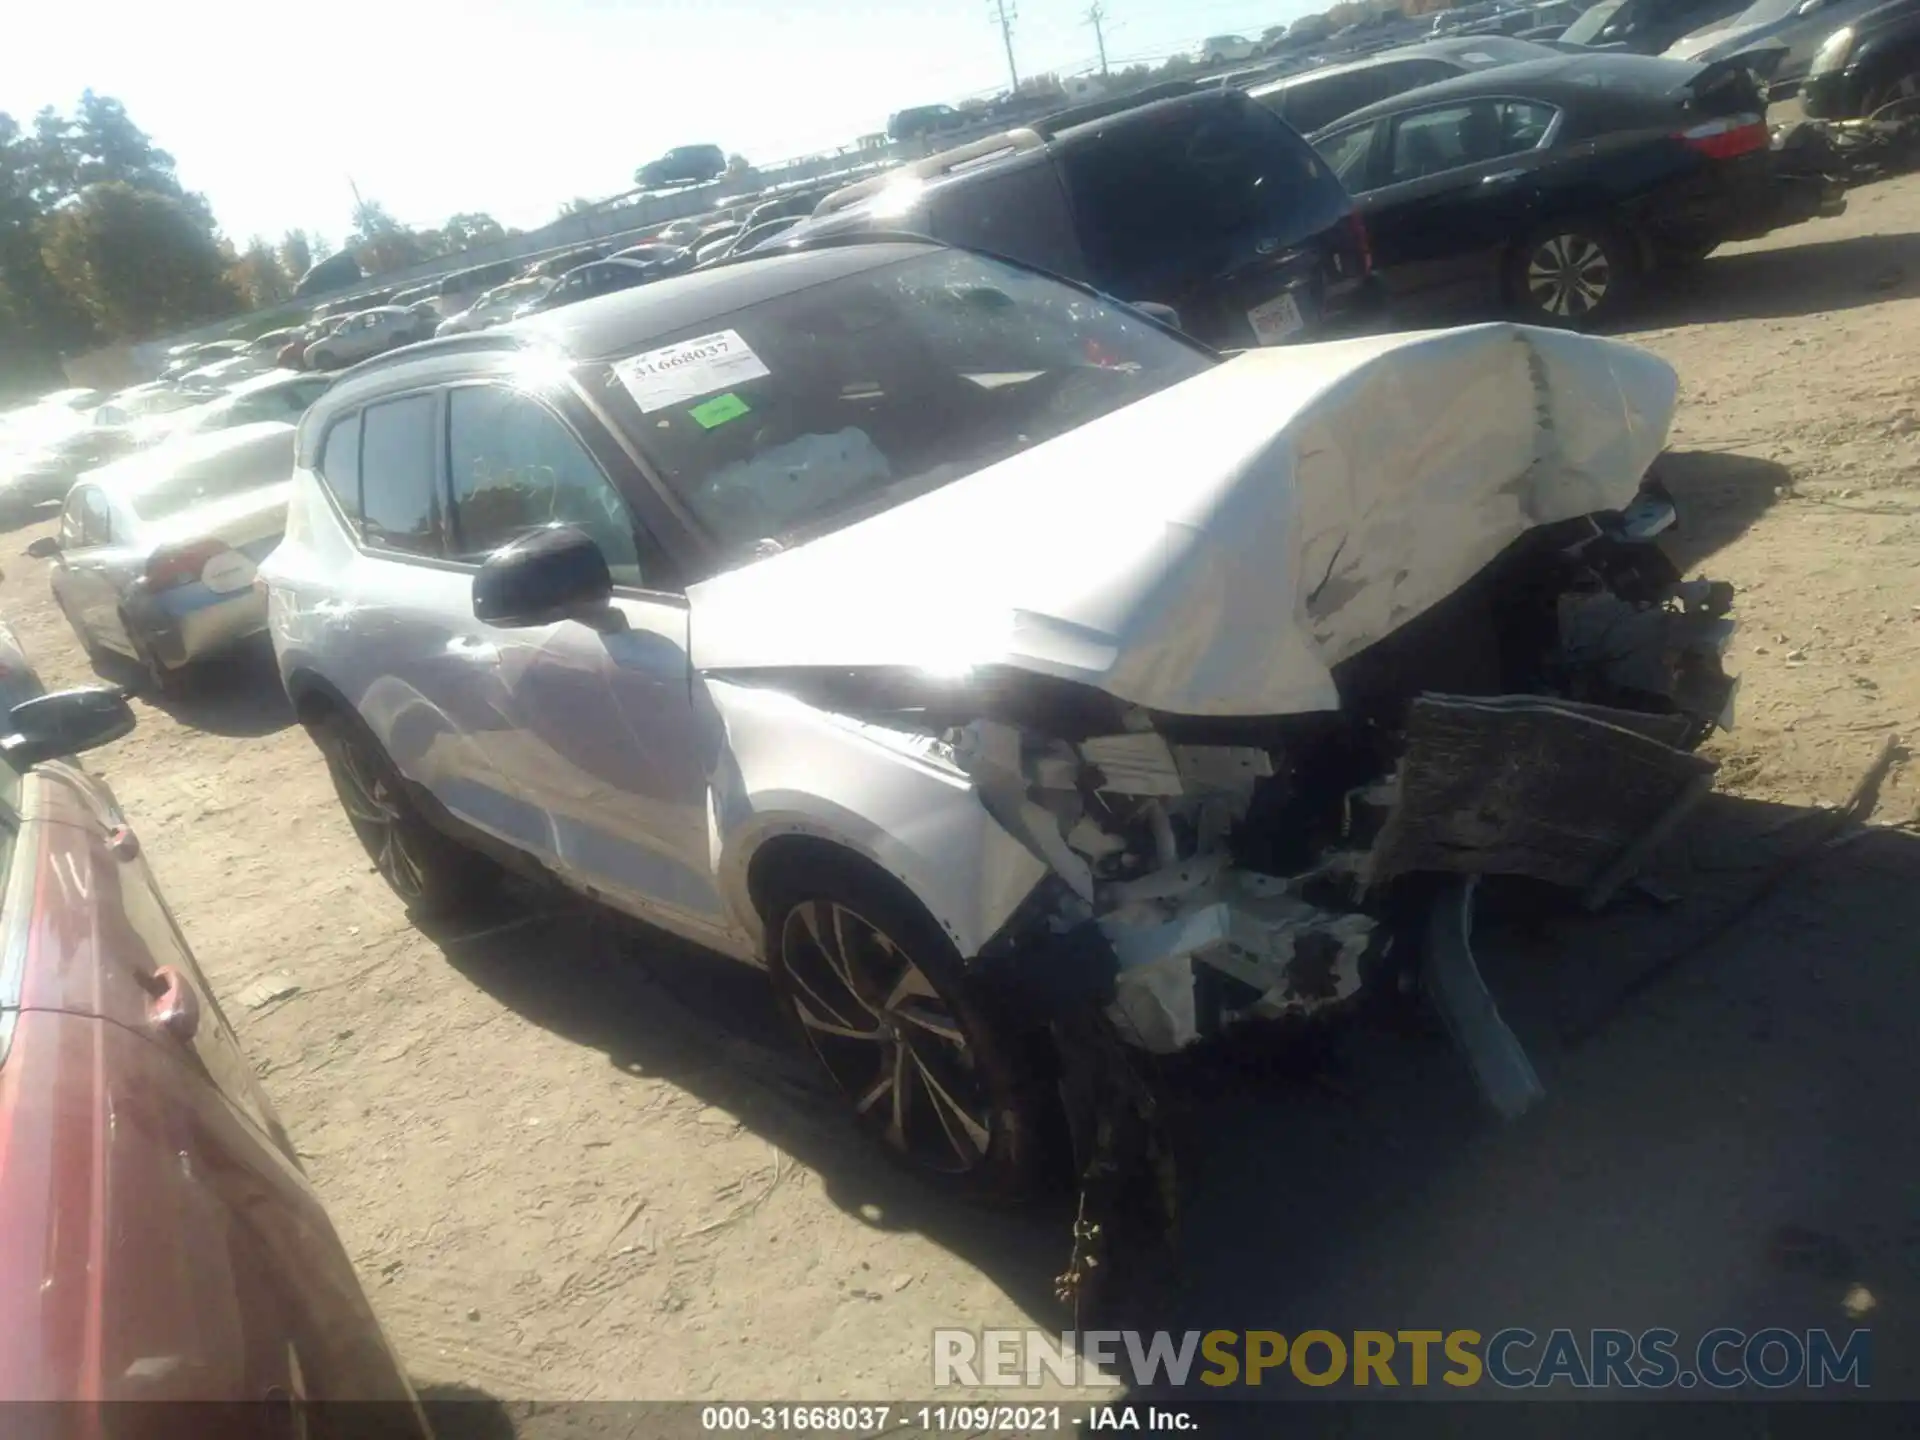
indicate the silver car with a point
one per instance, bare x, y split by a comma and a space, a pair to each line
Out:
993, 665
154, 559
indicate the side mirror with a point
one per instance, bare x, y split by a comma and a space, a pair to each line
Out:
45, 548
552, 574
52, 727
1165, 314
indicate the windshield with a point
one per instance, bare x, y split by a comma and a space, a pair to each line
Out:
804, 413
1583, 30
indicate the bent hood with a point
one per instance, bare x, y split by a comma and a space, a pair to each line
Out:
1216, 548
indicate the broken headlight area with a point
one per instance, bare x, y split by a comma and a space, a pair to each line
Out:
1539, 722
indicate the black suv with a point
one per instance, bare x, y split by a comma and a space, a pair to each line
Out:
1201, 200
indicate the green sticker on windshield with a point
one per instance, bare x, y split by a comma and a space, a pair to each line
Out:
717, 411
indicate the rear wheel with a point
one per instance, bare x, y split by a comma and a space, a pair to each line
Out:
432, 875
1574, 274
928, 1067
159, 681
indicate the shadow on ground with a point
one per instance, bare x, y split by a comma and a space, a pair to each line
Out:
1718, 496
1782, 283
238, 693
658, 1007
1732, 1144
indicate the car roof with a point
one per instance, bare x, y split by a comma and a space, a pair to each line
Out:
1557, 82
1444, 48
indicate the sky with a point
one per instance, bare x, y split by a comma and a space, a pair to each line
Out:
512, 107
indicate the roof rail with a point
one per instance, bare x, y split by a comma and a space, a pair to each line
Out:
480, 340
1007, 142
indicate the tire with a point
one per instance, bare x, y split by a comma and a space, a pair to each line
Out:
157, 681
1573, 275
932, 1070
434, 877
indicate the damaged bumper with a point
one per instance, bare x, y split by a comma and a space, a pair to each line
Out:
1166, 852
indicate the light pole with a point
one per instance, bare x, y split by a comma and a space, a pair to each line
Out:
1096, 15
1005, 16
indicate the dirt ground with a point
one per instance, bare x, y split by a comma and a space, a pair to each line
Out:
570, 1165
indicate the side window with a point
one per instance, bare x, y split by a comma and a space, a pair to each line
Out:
399, 507
514, 467
1522, 124
1346, 154
96, 523
340, 467
1428, 142
70, 528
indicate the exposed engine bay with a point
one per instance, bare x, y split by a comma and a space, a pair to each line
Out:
1537, 723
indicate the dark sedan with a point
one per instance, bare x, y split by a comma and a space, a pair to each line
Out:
1315, 99
162, 1242
597, 277
1868, 67
1552, 187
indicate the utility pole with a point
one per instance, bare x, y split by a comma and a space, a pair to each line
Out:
1096, 14
1005, 17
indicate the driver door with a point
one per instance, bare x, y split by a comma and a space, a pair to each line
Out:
603, 739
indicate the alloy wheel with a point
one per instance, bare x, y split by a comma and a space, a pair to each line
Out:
374, 809
892, 1043
1569, 276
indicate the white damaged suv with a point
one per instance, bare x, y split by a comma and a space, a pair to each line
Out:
987, 660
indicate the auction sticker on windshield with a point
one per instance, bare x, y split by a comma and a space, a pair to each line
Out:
689, 369
1276, 319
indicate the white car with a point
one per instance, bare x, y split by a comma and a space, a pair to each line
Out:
366, 334
1221, 49
994, 666
497, 306
281, 395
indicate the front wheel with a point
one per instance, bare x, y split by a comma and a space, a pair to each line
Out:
1899, 97
928, 1067
1572, 275
433, 877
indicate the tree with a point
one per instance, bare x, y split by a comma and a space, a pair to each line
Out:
139, 263
382, 243
470, 228
260, 277
297, 250
579, 205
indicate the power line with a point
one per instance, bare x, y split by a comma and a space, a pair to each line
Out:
1005, 18
1096, 15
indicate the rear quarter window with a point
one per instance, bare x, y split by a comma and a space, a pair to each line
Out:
339, 467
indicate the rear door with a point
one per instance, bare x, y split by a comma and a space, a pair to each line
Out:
1217, 209
1456, 183
410, 666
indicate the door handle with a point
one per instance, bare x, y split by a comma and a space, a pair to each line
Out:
173, 1007
1500, 177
